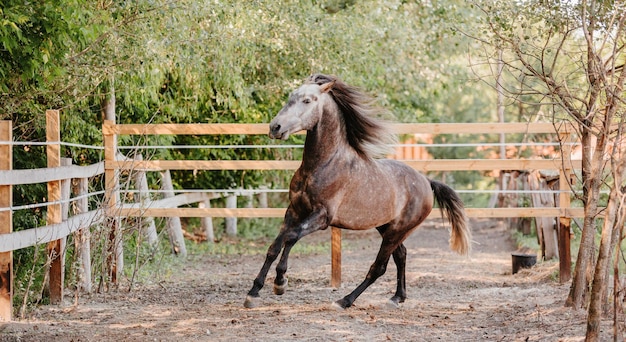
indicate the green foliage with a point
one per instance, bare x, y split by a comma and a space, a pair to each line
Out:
217, 62
28, 265
189, 62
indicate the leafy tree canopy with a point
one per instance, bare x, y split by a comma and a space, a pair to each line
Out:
224, 61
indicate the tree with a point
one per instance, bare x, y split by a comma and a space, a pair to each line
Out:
569, 57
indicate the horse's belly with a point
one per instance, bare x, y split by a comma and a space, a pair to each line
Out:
363, 213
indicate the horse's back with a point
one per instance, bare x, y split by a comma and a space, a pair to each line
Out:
414, 196
403, 175
390, 190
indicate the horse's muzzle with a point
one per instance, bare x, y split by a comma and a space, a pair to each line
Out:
275, 131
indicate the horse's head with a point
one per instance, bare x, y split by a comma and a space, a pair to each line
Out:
302, 111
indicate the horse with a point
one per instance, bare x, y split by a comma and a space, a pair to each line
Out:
344, 182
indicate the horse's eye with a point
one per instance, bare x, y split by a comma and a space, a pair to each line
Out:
306, 100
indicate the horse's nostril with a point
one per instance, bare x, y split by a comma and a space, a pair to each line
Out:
276, 128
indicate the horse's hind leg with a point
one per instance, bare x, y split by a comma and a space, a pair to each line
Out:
377, 269
399, 257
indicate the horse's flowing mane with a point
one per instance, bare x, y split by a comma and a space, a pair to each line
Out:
369, 136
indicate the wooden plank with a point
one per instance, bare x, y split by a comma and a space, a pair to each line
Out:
421, 165
399, 128
6, 225
56, 248
44, 175
135, 210
188, 129
487, 164
176, 201
476, 128
161, 165
519, 212
45, 234
130, 211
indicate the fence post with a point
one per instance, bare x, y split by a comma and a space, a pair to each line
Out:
82, 237
148, 228
231, 222
174, 227
262, 196
55, 249
111, 199
207, 221
335, 256
564, 223
6, 223
249, 198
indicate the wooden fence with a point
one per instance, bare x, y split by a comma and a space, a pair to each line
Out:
58, 226
565, 167
56, 229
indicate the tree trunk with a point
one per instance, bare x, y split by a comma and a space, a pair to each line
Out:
611, 228
599, 285
591, 192
618, 295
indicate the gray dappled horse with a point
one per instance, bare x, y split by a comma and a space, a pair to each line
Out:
341, 183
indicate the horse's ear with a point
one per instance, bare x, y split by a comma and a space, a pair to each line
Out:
326, 87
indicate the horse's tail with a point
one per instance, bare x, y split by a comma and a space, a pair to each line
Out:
450, 202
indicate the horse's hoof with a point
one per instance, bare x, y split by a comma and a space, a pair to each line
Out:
392, 304
251, 302
336, 306
280, 289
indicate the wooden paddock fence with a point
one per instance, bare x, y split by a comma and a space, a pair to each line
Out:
58, 177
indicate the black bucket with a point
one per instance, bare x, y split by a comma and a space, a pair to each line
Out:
521, 260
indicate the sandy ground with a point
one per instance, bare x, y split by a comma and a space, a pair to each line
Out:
451, 298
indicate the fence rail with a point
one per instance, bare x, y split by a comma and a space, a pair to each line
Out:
564, 166
112, 208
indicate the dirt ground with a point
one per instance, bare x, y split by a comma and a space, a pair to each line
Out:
451, 298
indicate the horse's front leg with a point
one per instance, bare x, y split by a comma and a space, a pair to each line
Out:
290, 233
280, 282
259, 281
317, 221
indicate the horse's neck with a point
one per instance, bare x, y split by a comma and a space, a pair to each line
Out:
324, 143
